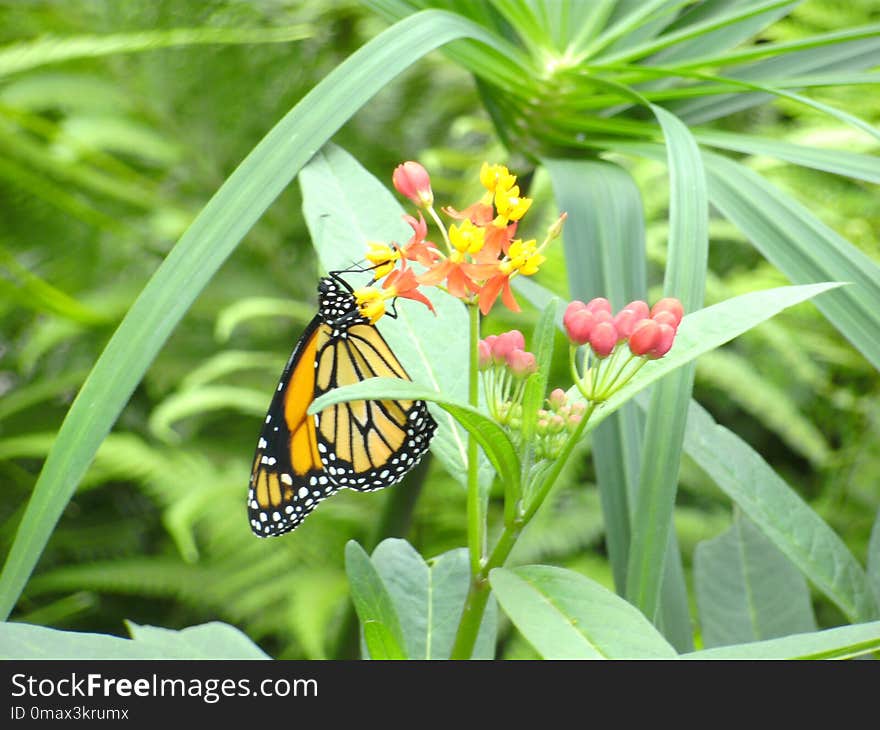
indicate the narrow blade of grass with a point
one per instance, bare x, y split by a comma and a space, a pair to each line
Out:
667, 415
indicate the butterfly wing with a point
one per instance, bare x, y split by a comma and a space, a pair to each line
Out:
288, 478
366, 445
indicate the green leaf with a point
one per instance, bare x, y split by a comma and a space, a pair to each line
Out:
685, 279
780, 514
747, 590
254, 307
207, 243
30, 54
874, 557
345, 207
541, 344
803, 248
730, 34
844, 642
839, 162
707, 329
212, 640
196, 401
565, 615
491, 437
375, 609
208, 641
429, 599
604, 243
851, 55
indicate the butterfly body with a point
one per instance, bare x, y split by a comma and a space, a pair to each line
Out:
302, 459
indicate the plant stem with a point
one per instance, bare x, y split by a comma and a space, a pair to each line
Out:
475, 517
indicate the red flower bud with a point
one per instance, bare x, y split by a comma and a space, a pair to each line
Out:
599, 304
485, 354
644, 337
412, 180
671, 305
664, 341
666, 317
521, 363
603, 338
640, 308
575, 306
504, 344
625, 321
579, 326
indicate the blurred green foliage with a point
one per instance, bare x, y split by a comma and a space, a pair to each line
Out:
103, 163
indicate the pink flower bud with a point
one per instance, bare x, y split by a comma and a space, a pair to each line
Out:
578, 409
579, 326
664, 341
599, 304
557, 424
640, 308
666, 317
521, 363
412, 180
644, 337
669, 304
625, 321
505, 343
603, 338
573, 420
485, 354
557, 399
571, 309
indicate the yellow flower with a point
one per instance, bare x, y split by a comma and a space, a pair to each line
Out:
496, 177
370, 303
382, 256
510, 206
467, 238
523, 257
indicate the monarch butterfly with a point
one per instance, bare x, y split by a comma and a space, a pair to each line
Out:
300, 459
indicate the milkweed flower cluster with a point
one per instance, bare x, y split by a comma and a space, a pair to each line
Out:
479, 255
505, 366
619, 344
555, 423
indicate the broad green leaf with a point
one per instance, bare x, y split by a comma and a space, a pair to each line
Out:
685, 279
212, 640
844, 642
780, 514
565, 615
375, 609
345, 207
207, 243
429, 599
747, 590
707, 329
208, 641
494, 440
